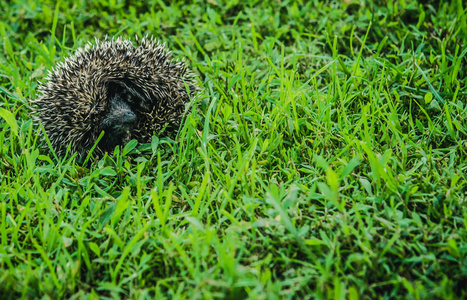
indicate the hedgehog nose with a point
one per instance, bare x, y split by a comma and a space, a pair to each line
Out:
129, 117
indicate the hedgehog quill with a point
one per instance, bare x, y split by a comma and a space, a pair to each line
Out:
128, 91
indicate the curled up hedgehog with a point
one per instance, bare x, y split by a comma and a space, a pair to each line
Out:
127, 91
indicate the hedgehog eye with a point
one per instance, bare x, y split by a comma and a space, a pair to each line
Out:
127, 93
129, 98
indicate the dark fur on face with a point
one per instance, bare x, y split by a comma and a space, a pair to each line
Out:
118, 123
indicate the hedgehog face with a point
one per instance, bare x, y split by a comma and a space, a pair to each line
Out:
118, 123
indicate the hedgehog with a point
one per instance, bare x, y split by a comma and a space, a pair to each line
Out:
126, 91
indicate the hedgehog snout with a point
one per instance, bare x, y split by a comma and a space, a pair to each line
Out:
129, 117
119, 113
118, 123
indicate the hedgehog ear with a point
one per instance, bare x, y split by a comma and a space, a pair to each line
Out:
113, 88
136, 93
125, 87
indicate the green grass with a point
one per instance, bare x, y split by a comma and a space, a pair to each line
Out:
324, 158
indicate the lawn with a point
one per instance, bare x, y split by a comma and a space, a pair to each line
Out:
325, 157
